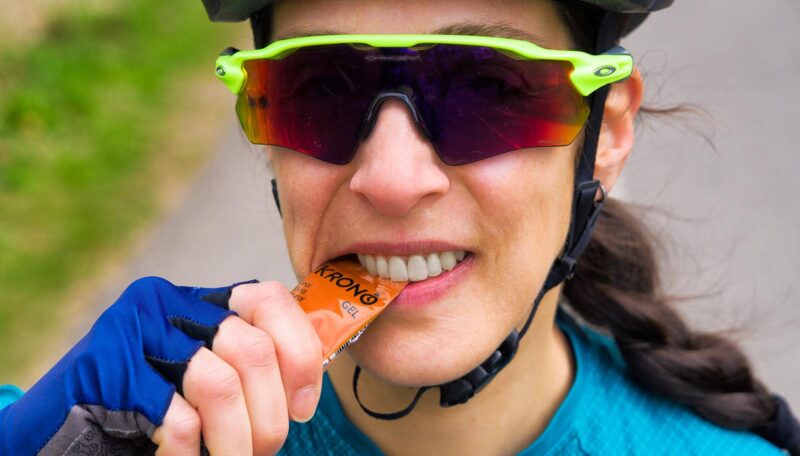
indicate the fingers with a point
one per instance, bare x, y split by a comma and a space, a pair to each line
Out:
251, 352
270, 307
179, 434
266, 365
214, 389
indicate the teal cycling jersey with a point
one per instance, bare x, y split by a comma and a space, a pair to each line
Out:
604, 413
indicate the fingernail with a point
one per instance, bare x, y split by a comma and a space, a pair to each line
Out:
304, 404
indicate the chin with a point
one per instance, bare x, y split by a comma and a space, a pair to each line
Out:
421, 358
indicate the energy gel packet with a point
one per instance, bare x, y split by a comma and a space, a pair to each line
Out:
341, 298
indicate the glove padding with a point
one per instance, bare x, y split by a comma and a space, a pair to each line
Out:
110, 392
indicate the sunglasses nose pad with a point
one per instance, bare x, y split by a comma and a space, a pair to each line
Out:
402, 93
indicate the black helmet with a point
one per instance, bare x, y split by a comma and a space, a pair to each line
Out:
637, 10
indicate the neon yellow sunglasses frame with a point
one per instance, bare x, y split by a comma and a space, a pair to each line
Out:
590, 72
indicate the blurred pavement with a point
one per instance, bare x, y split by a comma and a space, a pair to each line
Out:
732, 231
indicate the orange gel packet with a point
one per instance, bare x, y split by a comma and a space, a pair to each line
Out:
342, 298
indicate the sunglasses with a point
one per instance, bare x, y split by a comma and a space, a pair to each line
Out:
472, 97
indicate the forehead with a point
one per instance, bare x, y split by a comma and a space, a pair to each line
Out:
537, 21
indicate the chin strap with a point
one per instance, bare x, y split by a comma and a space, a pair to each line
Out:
586, 208
275, 195
585, 212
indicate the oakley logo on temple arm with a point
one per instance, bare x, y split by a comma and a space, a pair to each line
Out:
605, 71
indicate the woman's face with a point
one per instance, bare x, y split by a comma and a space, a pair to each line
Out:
509, 213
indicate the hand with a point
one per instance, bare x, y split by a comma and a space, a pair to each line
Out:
265, 366
171, 364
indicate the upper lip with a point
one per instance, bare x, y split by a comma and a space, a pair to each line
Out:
388, 248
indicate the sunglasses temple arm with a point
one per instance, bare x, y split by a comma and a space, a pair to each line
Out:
275, 195
619, 50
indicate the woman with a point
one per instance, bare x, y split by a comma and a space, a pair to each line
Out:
471, 167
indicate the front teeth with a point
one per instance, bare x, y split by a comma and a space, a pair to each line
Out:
398, 270
413, 268
381, 267
417, 268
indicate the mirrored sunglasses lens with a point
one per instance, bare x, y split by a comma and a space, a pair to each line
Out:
494, 104
312, 101
475, 101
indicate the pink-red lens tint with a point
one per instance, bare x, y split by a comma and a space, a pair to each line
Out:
475, 102
311, 101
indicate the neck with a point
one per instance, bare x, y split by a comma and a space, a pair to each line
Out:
504, 418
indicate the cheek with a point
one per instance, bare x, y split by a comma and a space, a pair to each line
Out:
524, 198
306, 187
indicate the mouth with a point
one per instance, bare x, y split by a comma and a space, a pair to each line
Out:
432, 273
412, 268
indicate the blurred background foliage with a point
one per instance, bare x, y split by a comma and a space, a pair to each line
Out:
103, 106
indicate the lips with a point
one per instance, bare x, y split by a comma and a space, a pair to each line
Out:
432, 267
431, 290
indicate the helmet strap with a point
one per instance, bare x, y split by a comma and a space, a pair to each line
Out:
586, 209
274, 183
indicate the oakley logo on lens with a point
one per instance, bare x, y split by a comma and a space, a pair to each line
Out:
605, 71
391, 58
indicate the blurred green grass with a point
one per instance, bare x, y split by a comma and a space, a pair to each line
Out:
82, 112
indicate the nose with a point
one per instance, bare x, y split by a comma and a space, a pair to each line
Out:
396, 166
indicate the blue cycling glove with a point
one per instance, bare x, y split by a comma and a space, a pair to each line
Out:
111, 391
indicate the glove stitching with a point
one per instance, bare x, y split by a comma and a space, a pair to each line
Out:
168, 360
212, 325
66, 451
124, 432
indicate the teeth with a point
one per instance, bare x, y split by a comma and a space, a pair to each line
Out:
448, 260
382, 266
434, 265
413, 268
398, 270
370, 263
417, 268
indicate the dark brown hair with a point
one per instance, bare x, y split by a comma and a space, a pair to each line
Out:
617, 289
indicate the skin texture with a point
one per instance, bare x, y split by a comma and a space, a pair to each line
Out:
510, 211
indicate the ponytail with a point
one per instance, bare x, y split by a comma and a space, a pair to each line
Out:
617, 288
